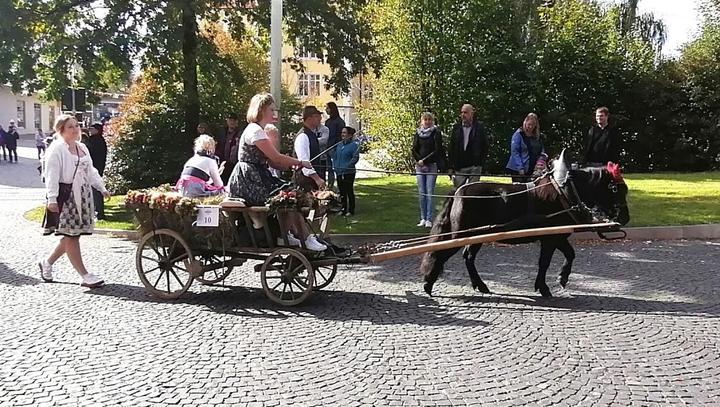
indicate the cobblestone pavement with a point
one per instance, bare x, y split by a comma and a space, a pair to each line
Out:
638, 326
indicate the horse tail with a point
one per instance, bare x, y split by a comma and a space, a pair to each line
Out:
441, 226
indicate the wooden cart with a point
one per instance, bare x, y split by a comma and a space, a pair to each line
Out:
169, 258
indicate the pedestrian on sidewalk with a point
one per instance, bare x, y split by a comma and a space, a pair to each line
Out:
97, 147
40, 142
3, 134
11, 139
69, 179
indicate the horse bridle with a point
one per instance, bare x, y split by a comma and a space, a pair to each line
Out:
566, 201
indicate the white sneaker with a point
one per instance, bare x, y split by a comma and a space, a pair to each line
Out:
91, 280
428, 224
46, 272
312, 244
292, 240
421, 224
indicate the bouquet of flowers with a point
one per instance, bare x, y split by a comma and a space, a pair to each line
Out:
285, 199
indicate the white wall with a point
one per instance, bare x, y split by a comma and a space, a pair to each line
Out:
8, 110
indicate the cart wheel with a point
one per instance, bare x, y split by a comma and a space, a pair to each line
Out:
215, 275
165, 264
324, 275
287, 277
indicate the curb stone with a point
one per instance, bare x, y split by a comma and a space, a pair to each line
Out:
686, 232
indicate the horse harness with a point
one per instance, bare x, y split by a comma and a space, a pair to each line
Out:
575, 211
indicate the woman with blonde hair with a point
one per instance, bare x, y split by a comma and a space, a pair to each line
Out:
525, 149
69, 179
251, 179
429, 155
201, 176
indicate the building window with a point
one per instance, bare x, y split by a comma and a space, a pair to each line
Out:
51, 118
38, 115
309, 84
303, 53
21, 113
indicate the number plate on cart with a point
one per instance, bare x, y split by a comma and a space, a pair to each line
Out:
208, 216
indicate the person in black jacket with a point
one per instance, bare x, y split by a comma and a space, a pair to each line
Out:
429, 156
227, 146
468, 148
98, 153
602, 143
11, 140
335, 125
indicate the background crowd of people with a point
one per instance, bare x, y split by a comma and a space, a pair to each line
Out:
465, 156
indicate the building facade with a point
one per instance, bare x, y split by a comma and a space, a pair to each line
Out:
29, 112
309, 85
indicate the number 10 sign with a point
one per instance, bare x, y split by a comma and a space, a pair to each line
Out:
208, 215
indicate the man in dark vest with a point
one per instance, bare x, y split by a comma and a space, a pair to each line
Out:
602, 143
307, 146
227, 146
468, 148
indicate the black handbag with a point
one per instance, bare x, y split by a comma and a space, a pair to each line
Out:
51, 220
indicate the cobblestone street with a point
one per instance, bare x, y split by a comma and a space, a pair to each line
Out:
638, 325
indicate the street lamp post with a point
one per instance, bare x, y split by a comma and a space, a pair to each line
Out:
276, 43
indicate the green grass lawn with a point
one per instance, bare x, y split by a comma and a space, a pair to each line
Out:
390, 204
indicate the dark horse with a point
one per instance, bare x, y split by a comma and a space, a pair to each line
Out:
561, 197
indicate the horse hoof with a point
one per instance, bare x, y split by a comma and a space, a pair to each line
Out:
428, 288
482, 288
544, 291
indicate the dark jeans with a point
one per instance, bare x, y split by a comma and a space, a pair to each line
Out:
347, 192
99, 203
40, 149
4, 151
12, 151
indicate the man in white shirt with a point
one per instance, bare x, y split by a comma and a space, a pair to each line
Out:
307, 146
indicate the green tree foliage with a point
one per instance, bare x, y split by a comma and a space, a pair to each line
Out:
149, 146
43, 39
700, 63
560, 59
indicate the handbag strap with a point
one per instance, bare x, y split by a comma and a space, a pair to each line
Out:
77, 164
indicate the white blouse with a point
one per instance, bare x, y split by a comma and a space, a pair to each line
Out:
60, 167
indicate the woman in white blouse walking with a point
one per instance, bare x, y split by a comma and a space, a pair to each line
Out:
68, 161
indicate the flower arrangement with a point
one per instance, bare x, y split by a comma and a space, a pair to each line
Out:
162, 207
296, 198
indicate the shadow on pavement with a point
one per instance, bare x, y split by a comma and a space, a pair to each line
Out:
12, 277
590, 303
326, 305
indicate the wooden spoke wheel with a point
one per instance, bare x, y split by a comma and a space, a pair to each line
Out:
165, 264
287, 277
219, 270
324, 275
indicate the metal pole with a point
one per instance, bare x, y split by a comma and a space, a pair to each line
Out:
276, 43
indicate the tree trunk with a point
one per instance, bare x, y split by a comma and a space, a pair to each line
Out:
190, 77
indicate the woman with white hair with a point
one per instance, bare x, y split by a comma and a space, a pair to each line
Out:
201, 174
